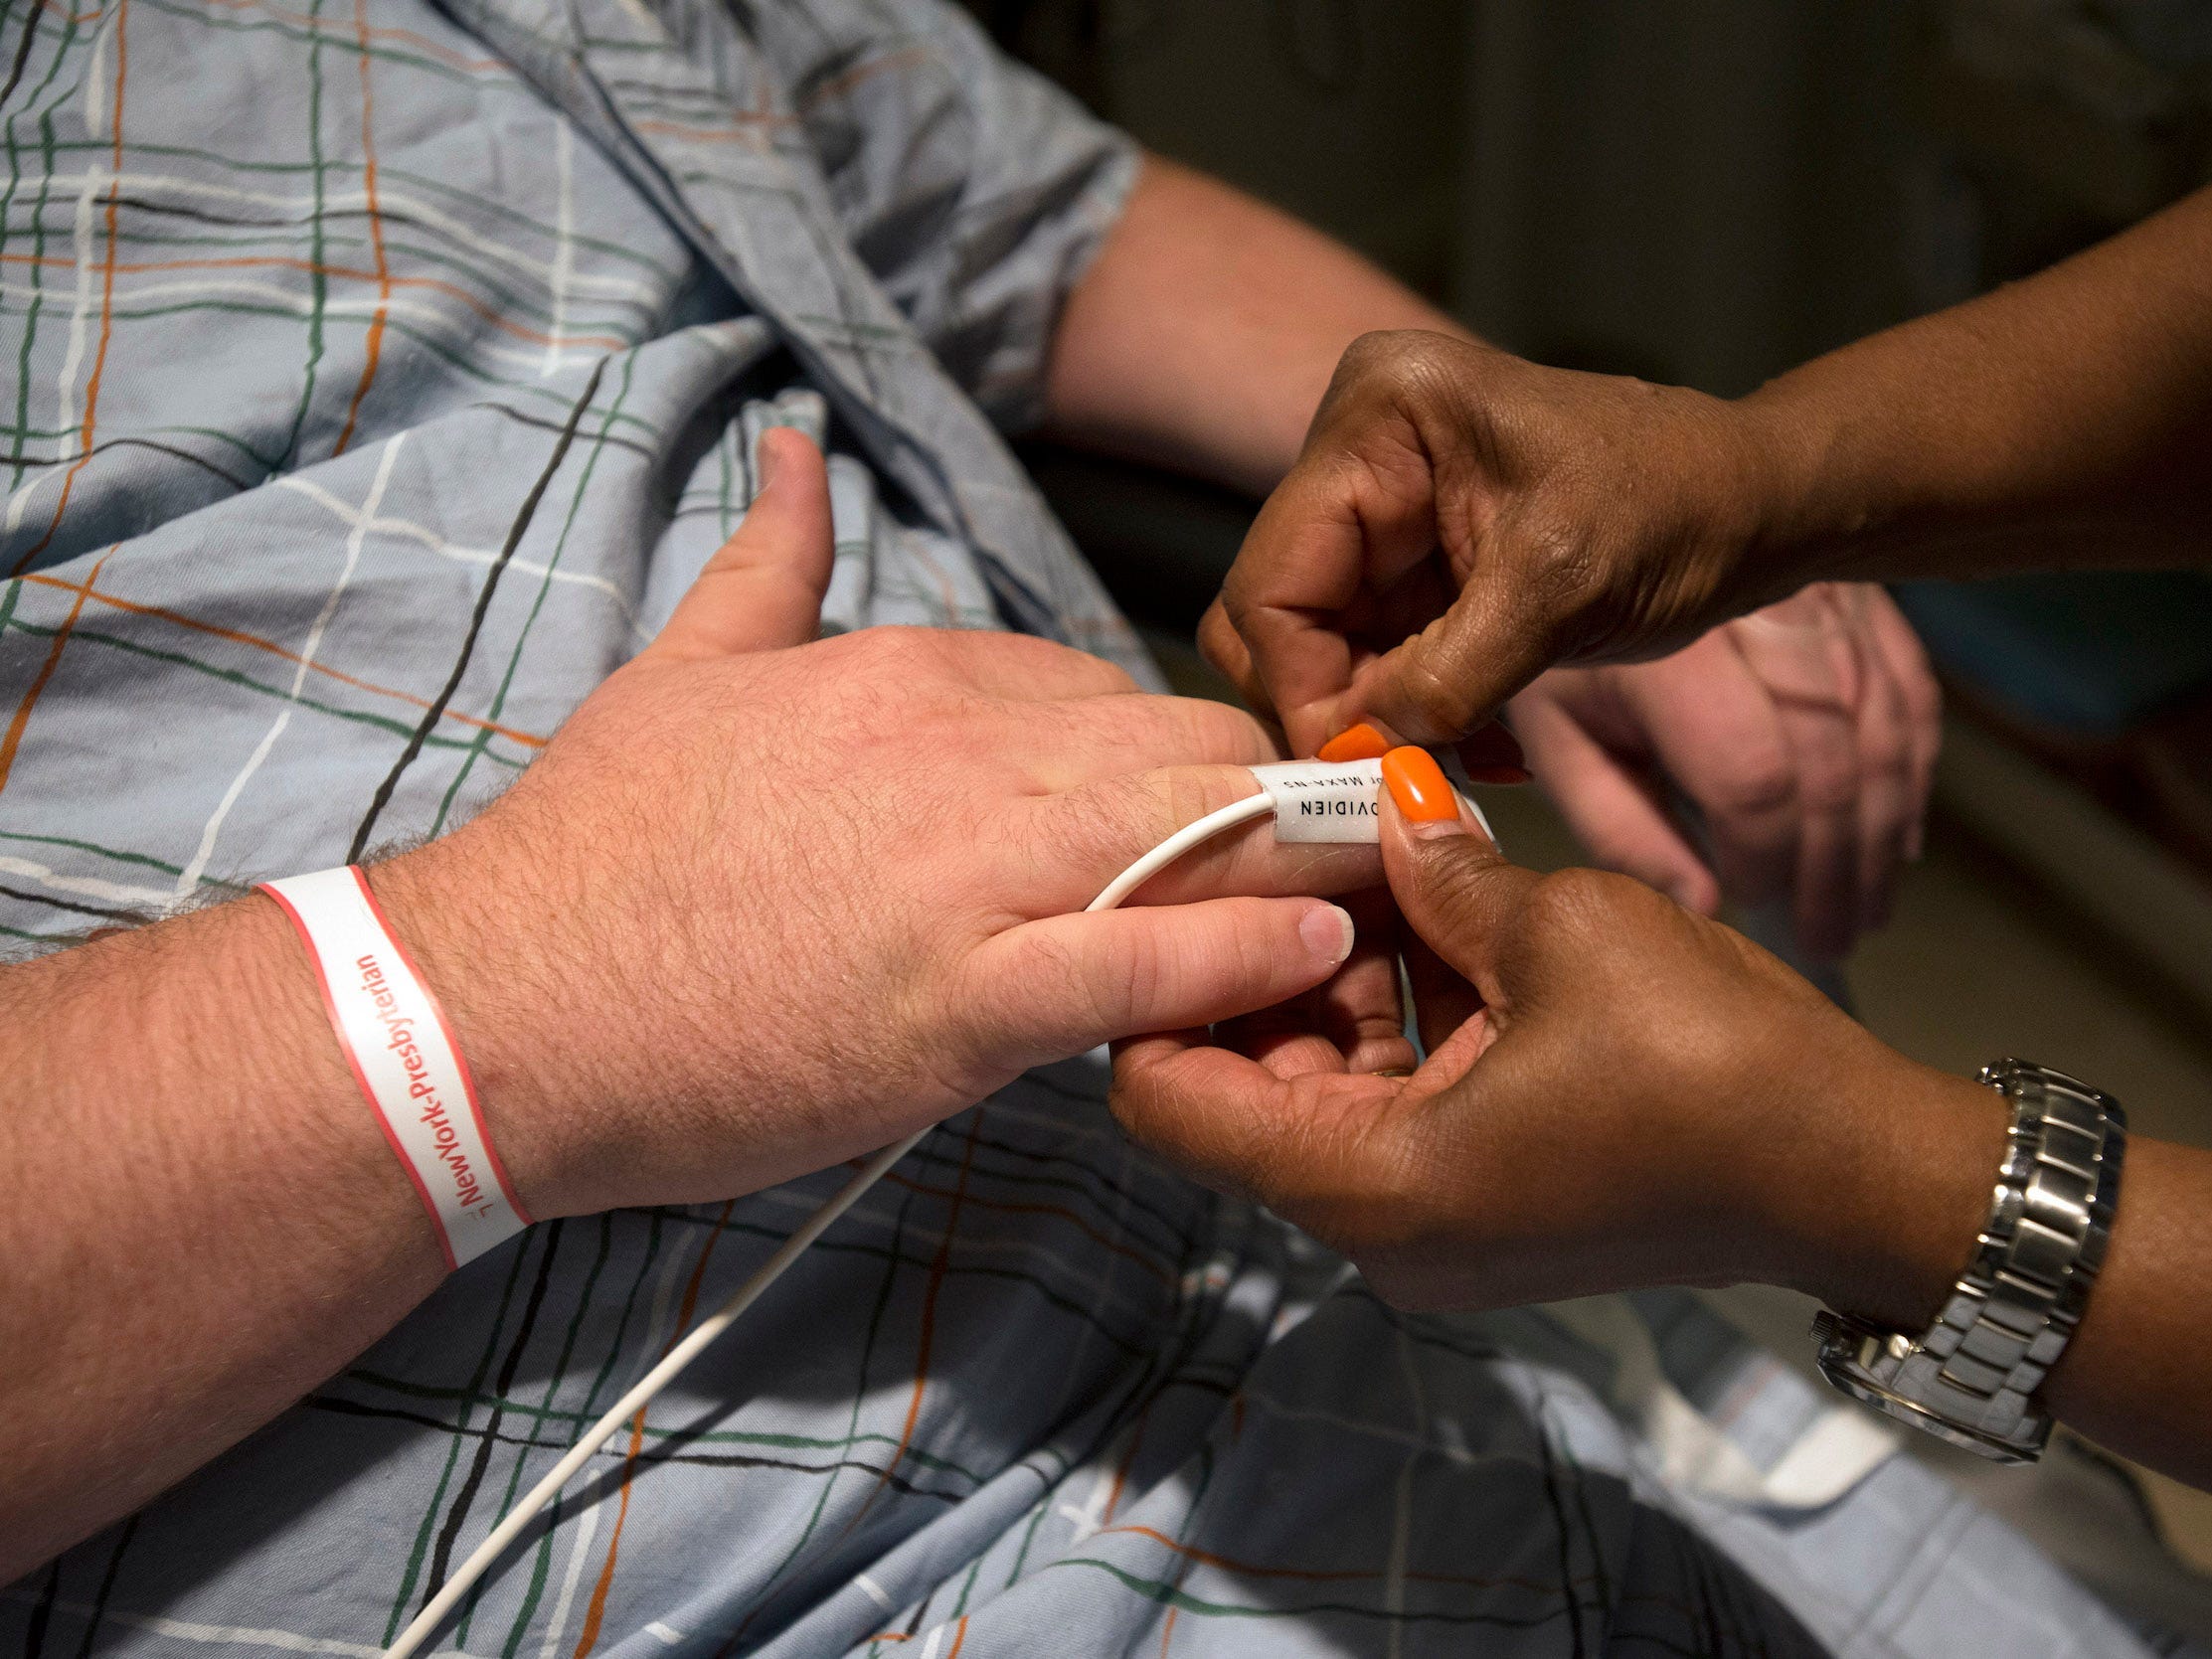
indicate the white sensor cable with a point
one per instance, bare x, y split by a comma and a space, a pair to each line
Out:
1176, 845
704, 1333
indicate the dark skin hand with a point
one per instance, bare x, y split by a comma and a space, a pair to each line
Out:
1620, 1093
1454, 529
1461, 520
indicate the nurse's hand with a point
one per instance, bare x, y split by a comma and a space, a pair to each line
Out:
1461, 520
1619, 1094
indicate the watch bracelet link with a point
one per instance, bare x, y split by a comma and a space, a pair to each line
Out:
1972, 1377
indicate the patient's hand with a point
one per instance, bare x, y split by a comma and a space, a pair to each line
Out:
761, 905
766, 904
1805, 734
1619, 1093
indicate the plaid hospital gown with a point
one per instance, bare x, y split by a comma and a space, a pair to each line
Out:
296, 297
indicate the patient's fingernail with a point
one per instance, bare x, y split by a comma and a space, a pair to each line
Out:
1327, 931
1421, 791
764, 458
1354, 743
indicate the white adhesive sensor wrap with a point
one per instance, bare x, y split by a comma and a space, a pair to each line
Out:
1315, 800
402, 1054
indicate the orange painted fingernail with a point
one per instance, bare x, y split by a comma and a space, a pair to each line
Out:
1417, 785
1354, 743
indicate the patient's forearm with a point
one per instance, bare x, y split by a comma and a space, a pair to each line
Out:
202, 1219
1206, 331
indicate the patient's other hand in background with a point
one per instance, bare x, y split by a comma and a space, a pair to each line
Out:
1803, 737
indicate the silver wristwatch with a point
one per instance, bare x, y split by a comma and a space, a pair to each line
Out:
1972, 1377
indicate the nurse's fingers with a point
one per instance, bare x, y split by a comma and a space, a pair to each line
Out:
1355, 1023
1228, 1121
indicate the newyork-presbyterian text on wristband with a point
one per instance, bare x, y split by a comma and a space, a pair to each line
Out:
402, 1054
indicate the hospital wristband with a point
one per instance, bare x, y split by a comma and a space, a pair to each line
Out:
402, 1053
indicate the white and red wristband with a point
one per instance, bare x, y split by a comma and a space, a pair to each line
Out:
401, 1052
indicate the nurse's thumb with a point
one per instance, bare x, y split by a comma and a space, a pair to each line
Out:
1450, 882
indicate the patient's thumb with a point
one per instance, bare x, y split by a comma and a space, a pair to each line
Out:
763, 589
1452, 884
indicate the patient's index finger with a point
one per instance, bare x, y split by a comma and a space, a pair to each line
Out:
1100, 828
